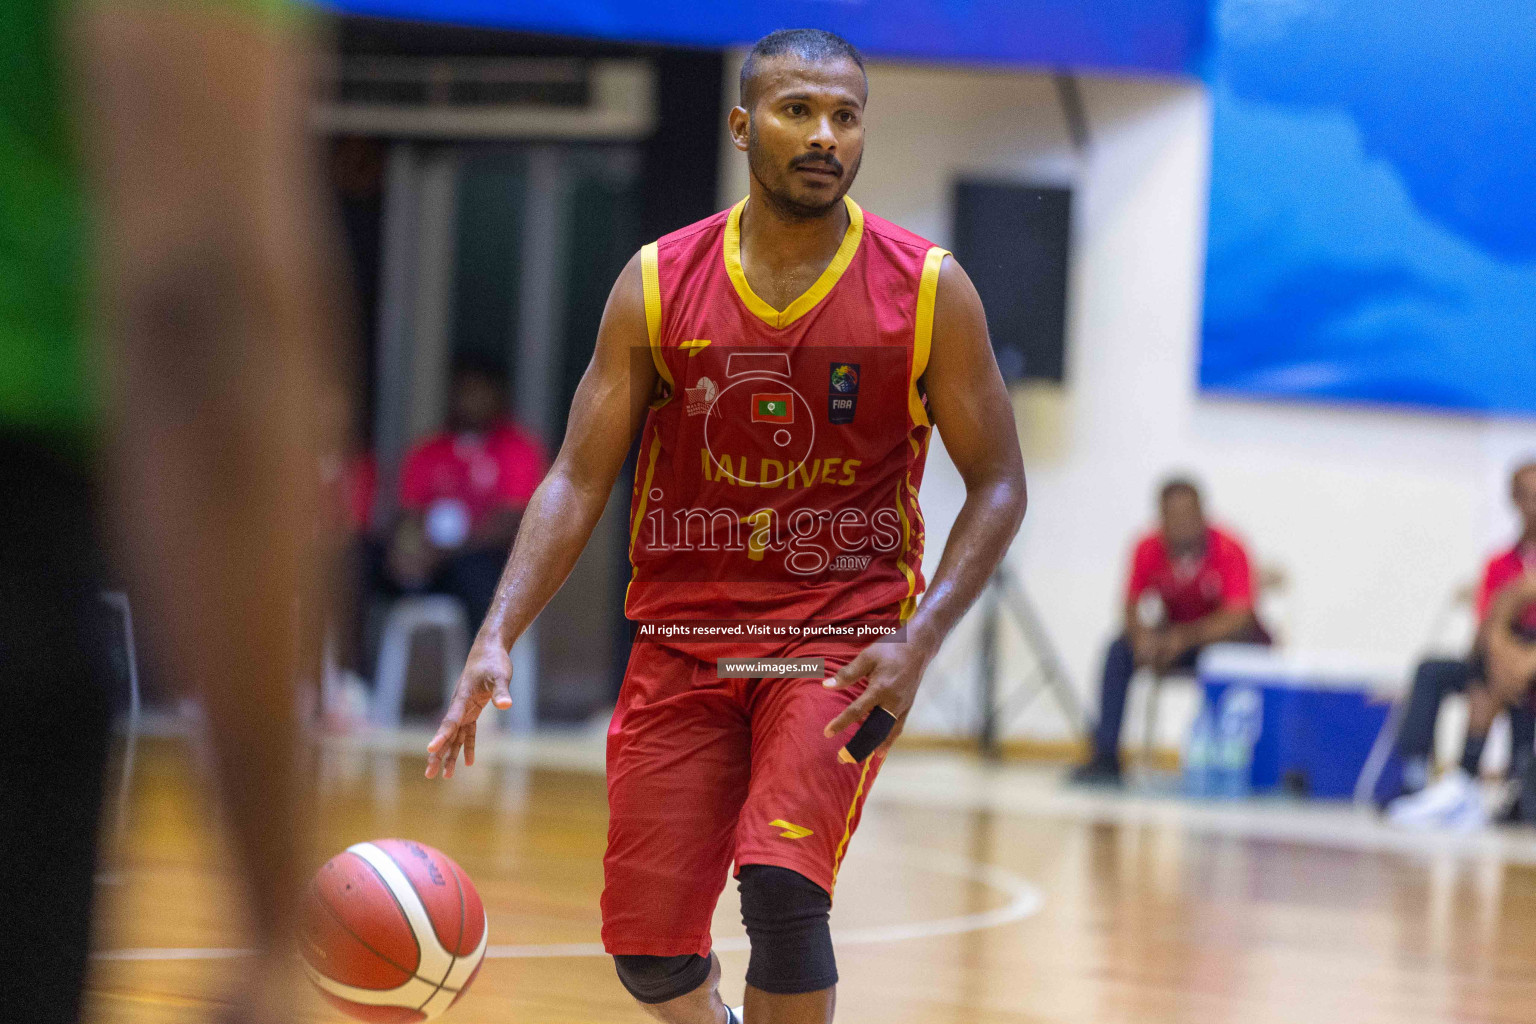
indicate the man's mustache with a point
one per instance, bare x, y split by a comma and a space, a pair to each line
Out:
827, 160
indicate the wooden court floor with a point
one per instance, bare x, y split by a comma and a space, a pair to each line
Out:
963, 914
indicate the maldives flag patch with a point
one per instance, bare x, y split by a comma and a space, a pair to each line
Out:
773, 407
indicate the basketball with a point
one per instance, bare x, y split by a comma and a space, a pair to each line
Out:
393, 932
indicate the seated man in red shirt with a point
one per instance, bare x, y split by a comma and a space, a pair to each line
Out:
1511, 660
1509, 634
1511, 651
462, 494
1199, 579
1454, 801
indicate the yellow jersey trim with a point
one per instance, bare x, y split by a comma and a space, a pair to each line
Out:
650, 280
842, 844
805, 303
645, 491
909, 602
638, 515
906, 549
922, 334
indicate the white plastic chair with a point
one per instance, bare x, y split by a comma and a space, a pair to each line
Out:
1456, 614
406, 618
519, 720
119, 601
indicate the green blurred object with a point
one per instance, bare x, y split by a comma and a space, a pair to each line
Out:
46, 380
43, 376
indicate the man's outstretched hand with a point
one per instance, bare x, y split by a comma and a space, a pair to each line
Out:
486, 677
894, 671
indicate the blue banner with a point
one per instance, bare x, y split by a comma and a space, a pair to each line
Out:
1132, 35
1373, 202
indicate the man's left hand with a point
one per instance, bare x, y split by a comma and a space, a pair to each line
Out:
1172, 644
1511, 668
894, 671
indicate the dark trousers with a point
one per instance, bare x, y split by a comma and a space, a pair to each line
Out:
53, 731
1119, 668
470, 575
1433, 680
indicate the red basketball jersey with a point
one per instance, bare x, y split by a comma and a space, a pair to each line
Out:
780, 462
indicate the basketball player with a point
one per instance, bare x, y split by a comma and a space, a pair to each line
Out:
213, 306
785, 362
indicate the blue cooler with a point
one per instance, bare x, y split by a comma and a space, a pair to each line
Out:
1319, 721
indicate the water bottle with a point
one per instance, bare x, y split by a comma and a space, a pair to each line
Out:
1236, 731
1197, 756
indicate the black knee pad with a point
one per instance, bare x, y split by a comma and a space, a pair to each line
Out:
656, 979
786, 918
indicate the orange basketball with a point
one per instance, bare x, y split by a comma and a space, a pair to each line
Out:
393, 932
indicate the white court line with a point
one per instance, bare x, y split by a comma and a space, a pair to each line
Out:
1024, 900
171, 953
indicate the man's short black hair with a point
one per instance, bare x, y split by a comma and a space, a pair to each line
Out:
1178, 485
809, 44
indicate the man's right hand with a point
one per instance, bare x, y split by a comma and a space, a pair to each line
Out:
486, 677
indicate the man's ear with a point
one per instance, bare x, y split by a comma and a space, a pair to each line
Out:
740, 124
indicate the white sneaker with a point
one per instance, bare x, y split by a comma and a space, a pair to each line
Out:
1471, 815
1451, 799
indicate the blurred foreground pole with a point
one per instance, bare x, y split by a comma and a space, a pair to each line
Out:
221, 313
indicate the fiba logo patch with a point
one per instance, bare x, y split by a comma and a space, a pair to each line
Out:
842, 392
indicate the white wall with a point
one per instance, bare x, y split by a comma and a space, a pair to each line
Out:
1375, 517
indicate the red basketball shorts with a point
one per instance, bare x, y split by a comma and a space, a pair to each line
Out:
703, 771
